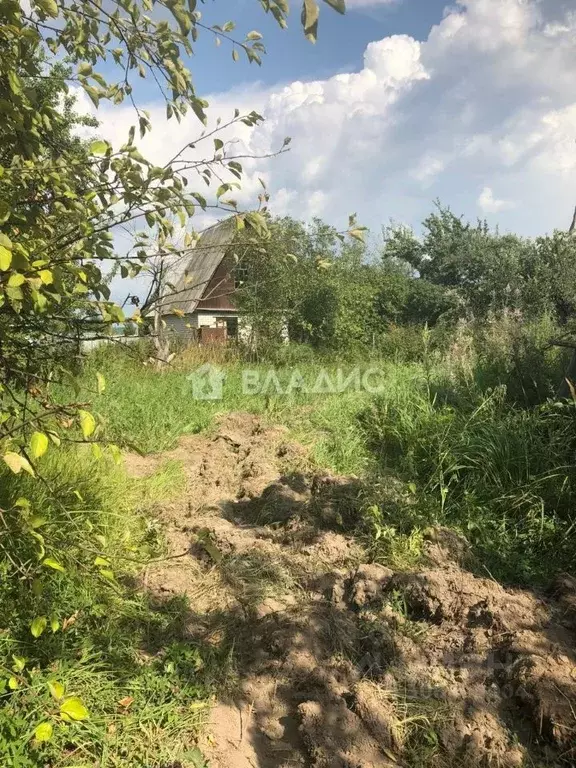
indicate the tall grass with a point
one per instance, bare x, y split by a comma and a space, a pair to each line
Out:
151, 409
504, 477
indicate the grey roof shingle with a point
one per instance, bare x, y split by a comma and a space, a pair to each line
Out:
192, 275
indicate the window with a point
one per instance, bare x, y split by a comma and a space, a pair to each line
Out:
240, 275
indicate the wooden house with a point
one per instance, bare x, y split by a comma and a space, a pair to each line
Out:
200, 302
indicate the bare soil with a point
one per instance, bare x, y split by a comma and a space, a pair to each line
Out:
343, 663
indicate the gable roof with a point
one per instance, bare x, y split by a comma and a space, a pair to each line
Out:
191, 278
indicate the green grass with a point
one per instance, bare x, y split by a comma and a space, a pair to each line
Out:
504, 477
429, 451
145, 690
150, 410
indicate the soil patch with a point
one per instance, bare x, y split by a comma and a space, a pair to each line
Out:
344, 663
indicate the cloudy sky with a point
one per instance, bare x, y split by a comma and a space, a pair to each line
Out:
401, 102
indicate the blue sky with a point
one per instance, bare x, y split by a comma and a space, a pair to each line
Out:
340, 46
397, 104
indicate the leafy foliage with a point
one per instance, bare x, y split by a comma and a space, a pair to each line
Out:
62, 199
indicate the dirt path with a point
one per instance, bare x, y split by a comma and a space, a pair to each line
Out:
342, 663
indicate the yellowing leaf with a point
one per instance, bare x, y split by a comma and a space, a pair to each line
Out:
16, 280
43, 732
5, 258
54, 624
12, 683
357, 234
38, 444
37, 521
54, 437
107, 573
74, 708
56, 689
116, 453
101, 382
38, 626
46, 276
98, 147
101, 561
338, 5
87, 423
17, 463
49, 562
96, 451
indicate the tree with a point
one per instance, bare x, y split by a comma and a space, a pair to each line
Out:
62, 201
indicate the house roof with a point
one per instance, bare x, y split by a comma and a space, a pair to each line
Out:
191, 276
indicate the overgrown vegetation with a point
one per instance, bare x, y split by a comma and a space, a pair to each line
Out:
468, 431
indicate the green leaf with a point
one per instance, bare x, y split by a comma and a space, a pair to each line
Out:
254, 35
43, 732
74, 708
49, 7
37, 521
19, 663
5, 258
38, 444
310, 13
50, 562
87, 423
17, 463
181, 15
38, 625
101, 383
99, 147
54, 624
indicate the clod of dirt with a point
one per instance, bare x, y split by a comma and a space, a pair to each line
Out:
444, 546
344, 664
546, 687
337, 738
369, 583
377, 710
335, 500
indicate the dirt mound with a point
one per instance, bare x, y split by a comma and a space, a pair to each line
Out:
344, 663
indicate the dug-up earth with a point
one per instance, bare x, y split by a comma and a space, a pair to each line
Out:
342, 663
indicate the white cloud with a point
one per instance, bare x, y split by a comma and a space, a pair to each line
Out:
488, 95
489, 204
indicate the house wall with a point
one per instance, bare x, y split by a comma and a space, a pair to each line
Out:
219, 292
187, 327
183, 327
